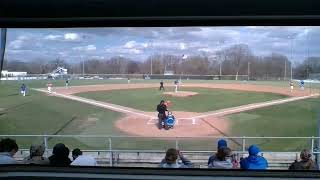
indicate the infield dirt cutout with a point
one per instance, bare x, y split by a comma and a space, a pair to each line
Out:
140, 123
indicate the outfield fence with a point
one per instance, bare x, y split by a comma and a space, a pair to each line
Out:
131, 76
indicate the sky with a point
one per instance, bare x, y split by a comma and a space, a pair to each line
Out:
137, 43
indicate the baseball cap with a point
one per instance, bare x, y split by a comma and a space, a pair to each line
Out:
253, 150
222, 143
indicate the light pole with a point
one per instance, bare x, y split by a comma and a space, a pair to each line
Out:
82, 66
220, 43
248, 71
3, 39
291, 61
291, 37
285, 70
151, 57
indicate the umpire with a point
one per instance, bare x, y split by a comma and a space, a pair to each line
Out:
161, 86
162, 108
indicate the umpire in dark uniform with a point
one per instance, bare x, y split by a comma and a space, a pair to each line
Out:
161, 85
162, 108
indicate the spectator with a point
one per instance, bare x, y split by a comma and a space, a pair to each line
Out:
82, 160
75, 153
8, 148
60, 155
36, 155
171, 160
254, 160
223, 159
221, 143
306, 162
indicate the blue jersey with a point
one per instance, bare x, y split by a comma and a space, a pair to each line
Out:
23, 87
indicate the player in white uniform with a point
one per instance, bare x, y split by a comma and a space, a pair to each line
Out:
176, 84
49, 85
291, 86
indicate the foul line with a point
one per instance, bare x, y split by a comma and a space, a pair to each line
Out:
96, 103
253, 106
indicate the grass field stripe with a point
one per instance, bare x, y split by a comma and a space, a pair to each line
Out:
253, 106
89, 101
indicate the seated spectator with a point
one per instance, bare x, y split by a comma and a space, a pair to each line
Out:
82, 160
8, 148
171, 160
223, 159
36, 155
306, 162
221, 143
60, 155
254, 160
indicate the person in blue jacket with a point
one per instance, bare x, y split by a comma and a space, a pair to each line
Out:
254, 160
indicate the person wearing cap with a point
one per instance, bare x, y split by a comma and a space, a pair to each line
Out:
162, 108
222, 145
82, 160
306, 162
254, 160
36, 155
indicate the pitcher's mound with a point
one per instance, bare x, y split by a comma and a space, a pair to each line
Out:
181, 93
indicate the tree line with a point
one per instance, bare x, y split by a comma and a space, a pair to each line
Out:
235, 60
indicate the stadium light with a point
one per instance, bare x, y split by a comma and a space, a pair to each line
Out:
291, 37
2, 47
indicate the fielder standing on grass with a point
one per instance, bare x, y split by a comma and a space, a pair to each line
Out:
49, 85
23, 89
176, 84
67, 83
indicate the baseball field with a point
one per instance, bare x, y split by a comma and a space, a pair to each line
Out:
116, 108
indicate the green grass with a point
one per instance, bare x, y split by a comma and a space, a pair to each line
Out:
41, 114
206, 100
294, 119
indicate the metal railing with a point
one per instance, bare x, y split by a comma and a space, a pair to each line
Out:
109, 142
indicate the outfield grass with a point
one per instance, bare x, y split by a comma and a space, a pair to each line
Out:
294, 119
206, 100
41, 114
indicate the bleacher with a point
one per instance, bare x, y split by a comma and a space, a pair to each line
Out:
276, 160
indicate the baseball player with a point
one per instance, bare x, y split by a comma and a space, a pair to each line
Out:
23, 89
162, 108
128, 80
49, 85
161, 85
291, 86
176, 84
67, 83
302, 85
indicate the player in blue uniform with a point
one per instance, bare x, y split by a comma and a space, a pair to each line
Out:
302, 85
23, 89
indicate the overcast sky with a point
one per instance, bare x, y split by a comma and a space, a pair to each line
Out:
139, 42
